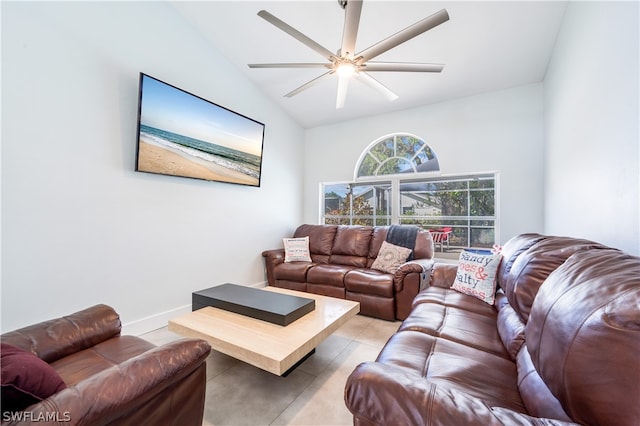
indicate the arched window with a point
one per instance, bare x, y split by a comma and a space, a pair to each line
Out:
390, 186
397, 154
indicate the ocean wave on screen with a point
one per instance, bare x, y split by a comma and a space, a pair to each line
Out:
211, 158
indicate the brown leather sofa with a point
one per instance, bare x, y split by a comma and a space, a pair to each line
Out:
341, 267
560, 346
112, 379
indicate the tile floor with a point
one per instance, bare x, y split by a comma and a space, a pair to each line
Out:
313, 394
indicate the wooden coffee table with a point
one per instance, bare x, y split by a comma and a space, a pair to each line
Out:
271, 347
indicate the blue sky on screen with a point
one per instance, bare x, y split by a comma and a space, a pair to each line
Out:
167, 108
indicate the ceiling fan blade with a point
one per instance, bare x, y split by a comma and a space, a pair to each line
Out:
307, 85
372, 82
290, 65
343, 84
404, 35
296, 34
402, 66
350, 32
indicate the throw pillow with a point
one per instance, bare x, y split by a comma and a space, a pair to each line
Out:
390, 258
476, 275
26, 379
296, 249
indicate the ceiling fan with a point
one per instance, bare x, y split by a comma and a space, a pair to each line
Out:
346, 63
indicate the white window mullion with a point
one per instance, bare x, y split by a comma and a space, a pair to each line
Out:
395, 201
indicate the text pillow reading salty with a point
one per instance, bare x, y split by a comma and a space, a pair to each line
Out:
476, 275
390, 258
296, 249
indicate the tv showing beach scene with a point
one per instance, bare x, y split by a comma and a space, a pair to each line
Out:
181, 134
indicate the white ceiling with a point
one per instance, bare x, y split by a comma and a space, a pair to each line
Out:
485, 46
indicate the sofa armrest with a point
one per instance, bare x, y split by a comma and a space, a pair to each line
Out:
54, 339
274, 255
119, 391
443, 275
418, 266
379, 394
271, 259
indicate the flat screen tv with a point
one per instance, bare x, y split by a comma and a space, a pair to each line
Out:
181, 134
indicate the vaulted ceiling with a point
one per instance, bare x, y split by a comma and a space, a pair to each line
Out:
485, 46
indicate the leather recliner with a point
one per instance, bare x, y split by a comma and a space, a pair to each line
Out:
341, 259
561, 345
112, 379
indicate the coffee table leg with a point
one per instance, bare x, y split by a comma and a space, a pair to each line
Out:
294, 366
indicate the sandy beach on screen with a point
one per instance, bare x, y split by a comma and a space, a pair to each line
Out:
156, 159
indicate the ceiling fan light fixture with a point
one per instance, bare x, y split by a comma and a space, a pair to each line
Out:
345, 69
347, 63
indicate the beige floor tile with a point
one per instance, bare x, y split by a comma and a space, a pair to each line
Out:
322, 403
161, 336
325, 353
378, 332
352, 328
245, 395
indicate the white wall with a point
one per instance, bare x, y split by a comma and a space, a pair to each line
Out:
79, 226
499, 131
592, 173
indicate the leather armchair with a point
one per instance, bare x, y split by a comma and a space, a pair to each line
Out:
113, 379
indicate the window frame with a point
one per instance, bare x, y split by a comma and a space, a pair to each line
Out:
396, 217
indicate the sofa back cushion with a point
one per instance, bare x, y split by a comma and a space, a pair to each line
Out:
354, 245
510, 252
424, 245
351, 245
59, 337
583, 336
378, 236
529, 268
320, 240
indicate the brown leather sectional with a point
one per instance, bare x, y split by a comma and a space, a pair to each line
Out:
561, 344
341, 267
112, 379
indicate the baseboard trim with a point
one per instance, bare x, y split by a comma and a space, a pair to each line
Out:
154, 322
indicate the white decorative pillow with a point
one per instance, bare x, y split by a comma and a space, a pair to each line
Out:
390, 258
476, 275
296, 249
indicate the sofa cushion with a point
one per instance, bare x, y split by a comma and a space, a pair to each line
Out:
86, 363
510, 326
510, 252
332, 275
351, 245
476, 275
448, 322
446, 363
369, 281
390, 258
532, 267
26, 379
448, 297
59, 337
583, 335
374, 305
378, 236
294, 271
424, 246
320, 237
296, 249
536, 395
